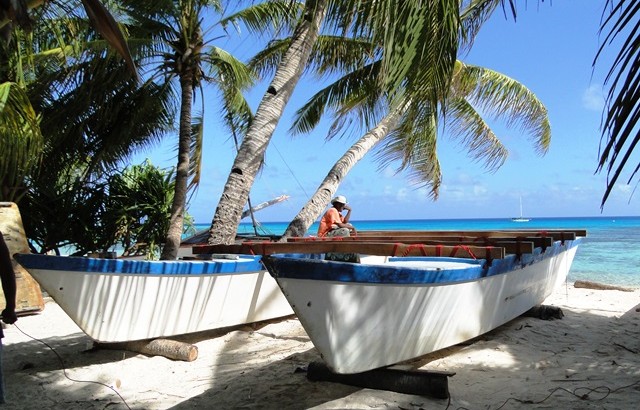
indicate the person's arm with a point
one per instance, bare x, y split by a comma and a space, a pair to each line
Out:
8, 277
345, 220
348, 215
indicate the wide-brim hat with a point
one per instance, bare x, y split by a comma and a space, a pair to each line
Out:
340, 198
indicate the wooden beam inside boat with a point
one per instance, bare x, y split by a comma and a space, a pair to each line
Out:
512, 245
557, 234
479, 240
362, 247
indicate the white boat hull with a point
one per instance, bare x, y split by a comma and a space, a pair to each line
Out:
123, 306
361, 326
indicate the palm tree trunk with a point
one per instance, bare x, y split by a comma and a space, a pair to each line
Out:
328, 187
174, 235
251, 153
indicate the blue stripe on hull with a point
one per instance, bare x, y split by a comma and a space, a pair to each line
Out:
246, 263
313, 267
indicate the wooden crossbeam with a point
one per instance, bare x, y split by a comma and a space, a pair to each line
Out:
556, 234
362, 247
510, 243
511, 246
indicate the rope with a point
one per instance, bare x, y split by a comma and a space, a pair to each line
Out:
64, 370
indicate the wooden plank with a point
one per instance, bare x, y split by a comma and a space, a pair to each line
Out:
28, 293
510, 243
557, 234
362, 247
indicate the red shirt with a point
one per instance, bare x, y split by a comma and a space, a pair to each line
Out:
331, 217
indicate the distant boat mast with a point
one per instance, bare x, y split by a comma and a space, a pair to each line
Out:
521, 218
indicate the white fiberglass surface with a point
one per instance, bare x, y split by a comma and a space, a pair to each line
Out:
432, 264
422, 264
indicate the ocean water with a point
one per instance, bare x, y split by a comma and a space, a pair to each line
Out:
609, 254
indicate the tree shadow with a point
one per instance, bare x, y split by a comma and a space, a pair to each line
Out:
584, 360
588, 359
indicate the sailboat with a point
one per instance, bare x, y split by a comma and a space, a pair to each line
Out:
520, 218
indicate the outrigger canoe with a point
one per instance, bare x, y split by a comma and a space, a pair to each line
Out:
414, 293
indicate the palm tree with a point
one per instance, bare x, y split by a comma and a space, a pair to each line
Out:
413, 35
622, 115
89, 108
411, 140
23, 144
182, 53
91, 114
410, 128
16, 13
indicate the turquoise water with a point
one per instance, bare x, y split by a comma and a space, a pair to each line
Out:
609, 254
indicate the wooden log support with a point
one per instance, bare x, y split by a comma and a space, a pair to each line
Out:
586, 284
419, 382
171, 349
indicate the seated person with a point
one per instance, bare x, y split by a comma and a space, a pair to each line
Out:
333, 223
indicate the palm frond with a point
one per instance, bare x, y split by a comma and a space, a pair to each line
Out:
465, 123
414, 148
506, 99
473, 14
106, 25
337, 55
195, 164
419, 39
356, 93
268, 16
21, 142
265, 62
620, 125
224, 67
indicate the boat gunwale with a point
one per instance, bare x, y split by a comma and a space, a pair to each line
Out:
348, 272
196, 267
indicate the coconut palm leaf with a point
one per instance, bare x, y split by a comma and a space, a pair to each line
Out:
21, 142
266, 17
504, 98
620, 124
17, 12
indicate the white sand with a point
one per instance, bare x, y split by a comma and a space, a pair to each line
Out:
588, 360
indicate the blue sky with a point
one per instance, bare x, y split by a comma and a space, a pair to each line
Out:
549, 49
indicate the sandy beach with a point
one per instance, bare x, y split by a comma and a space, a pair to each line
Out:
586, 360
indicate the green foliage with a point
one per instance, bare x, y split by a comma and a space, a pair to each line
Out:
21, 142
63, 211
128, 209
139, 208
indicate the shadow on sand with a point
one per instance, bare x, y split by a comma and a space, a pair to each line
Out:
585, 360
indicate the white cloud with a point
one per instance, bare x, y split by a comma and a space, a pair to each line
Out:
402, 195
593, 98
624, 188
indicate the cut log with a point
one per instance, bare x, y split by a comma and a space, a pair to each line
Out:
599, 286
171, 349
